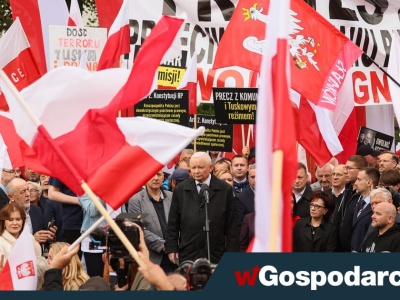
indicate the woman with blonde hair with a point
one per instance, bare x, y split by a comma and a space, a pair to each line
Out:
225, 175
73, 275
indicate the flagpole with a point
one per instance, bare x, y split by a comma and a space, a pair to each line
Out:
380, 68
73, 170
195, 127
276, 216
86, 233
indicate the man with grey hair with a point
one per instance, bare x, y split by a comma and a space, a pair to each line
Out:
245, 199
18, 191
380, 195
324, 176
386, 234
187, 229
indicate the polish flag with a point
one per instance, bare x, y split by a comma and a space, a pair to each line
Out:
88, 137
36, 16
16, 59
20, 271
5, 160
275, 134
118, 42
75, 16
189, 82
107, 11
19, 152
150, 144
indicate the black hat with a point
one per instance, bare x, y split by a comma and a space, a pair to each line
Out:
365, 150
180, 175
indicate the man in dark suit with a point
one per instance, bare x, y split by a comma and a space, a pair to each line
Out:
245, 199
18, 191
301, 193
154, 204
367, 179
186, 223
6, 176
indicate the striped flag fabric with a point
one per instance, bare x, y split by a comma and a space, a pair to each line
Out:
91, 102
36, 16
17, 59
20, 271
189, 82
275, 135
118, 42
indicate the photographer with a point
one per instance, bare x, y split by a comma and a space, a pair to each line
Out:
93, 255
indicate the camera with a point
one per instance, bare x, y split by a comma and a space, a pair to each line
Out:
196, 273
118, 256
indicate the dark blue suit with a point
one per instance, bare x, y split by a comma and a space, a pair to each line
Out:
360, 226
3, 199
244, 204
36, 215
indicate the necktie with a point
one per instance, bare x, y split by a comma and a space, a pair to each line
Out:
199, 189
361, 206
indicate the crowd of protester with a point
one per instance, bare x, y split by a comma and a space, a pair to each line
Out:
203, 209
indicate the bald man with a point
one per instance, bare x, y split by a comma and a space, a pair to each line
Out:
386, 237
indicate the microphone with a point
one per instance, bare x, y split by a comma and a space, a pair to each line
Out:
204, 190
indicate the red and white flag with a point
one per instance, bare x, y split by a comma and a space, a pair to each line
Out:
36, 16
150, 144
20, 271
18, 150
16, 59
75, 16
89, 111
189, 82
321, 54
275, 132
5, 160
118, 42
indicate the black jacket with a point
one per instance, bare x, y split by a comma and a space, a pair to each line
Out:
186, 221
244, 204
3, 199
324, 239
389, 241
53, 280
301, 208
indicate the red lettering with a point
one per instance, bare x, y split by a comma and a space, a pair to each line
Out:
247, 277
223, 77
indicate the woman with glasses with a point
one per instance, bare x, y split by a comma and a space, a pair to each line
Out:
315, 233
35, 191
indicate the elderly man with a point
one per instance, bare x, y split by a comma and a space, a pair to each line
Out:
154, 204
6, 176
386, 236
324, 176
187, 230
18, 191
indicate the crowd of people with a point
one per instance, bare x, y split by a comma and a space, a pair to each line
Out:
194, 215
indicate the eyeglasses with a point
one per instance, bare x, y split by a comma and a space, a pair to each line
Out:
33, 190
18, 172
316, 206
350, 168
